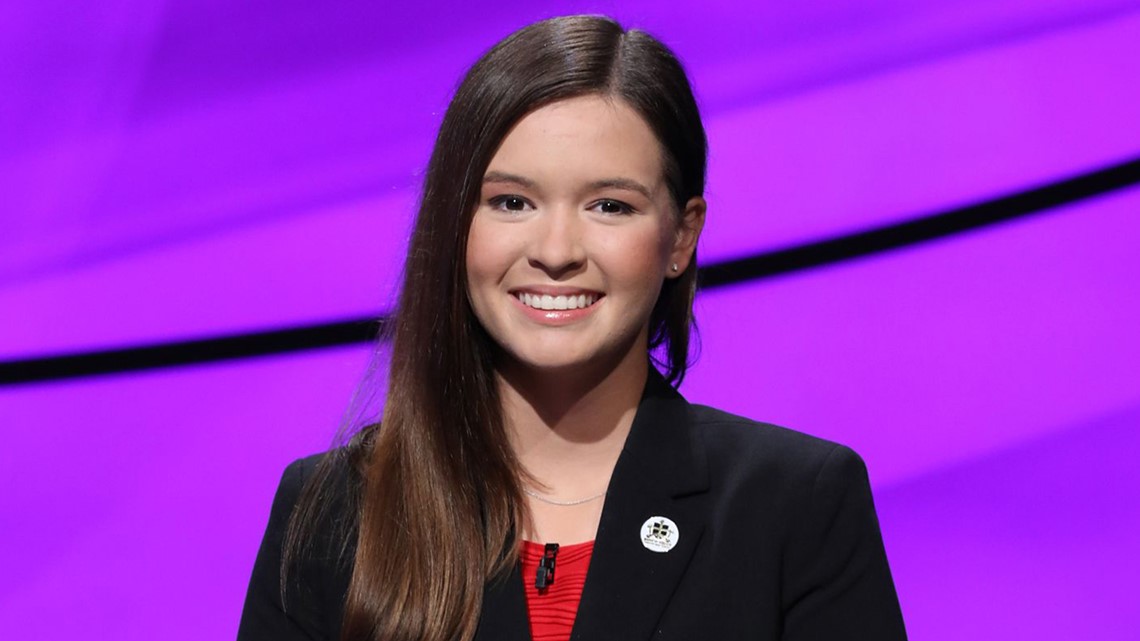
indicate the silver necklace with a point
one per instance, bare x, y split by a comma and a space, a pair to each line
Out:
532, 493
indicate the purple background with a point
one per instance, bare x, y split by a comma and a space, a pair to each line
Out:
175, 170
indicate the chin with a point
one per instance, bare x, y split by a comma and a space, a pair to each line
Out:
566, 362
550, 364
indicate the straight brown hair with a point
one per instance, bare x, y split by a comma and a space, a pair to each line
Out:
437, 497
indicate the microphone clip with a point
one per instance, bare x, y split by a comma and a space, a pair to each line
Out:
544, 578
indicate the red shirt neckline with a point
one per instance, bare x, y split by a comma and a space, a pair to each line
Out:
552, 610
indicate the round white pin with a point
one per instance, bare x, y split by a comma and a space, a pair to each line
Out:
659, 534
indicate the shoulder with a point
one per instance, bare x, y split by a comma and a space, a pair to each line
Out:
296, 599
302, 469
335, 464
730, 438
330, 468
752, 461
312, 522
293, 479
297, 588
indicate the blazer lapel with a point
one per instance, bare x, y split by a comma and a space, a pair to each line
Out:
504, 616
662, 472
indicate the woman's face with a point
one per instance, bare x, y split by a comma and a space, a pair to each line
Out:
574, 233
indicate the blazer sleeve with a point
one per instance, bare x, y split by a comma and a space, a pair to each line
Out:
839, 584
264, 616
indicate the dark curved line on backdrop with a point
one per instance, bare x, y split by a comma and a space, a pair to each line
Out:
922, 229
712, 276
192, 352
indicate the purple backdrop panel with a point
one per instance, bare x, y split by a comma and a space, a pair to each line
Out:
229, 214
917, 139
923, 357
134, 505
166, 175
336, 262
1037, 541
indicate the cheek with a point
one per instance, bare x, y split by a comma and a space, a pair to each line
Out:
492, 253
480, 273
482, 254
638, 259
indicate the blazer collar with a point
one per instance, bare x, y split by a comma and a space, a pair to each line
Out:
661, 472
663, 442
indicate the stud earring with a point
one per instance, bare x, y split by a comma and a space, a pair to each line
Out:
676, 268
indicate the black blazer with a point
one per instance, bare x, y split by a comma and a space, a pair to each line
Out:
777, 538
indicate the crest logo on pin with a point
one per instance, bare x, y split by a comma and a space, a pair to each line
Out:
659, 534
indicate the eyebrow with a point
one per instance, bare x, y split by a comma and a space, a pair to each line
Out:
627, 184
502, 177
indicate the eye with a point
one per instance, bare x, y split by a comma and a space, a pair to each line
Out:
509, 202
612, 207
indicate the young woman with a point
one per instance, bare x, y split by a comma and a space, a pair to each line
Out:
551, 272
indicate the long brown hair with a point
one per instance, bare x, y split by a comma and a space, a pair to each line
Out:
439, 497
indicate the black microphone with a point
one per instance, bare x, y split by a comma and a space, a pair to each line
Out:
545, 575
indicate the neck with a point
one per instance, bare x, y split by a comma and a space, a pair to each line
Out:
568, 428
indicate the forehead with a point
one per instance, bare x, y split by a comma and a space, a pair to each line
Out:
587, 137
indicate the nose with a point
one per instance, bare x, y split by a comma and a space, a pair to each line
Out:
557, 246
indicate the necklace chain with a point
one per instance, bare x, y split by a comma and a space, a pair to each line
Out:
531, 493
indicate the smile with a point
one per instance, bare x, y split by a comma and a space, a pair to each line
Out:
547, 302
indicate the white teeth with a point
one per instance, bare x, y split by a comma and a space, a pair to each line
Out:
548, 302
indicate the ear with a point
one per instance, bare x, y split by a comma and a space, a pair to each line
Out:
685, 237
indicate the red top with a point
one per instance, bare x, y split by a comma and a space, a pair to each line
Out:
552, 610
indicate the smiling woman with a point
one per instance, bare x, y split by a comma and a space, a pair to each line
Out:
542, 329
575, 210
